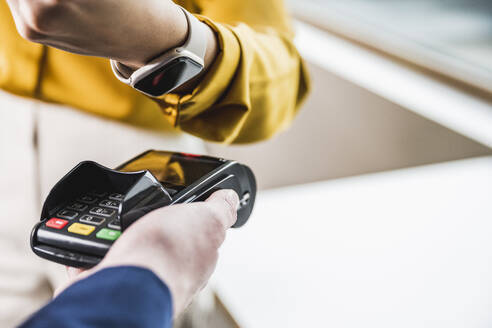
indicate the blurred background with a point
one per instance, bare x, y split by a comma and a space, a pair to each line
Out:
376, 204
388, 92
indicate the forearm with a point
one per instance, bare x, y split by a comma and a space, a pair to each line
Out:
127, 31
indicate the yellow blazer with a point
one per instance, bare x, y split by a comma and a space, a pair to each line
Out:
253, 89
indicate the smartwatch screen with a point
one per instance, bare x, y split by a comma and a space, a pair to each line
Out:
169, 77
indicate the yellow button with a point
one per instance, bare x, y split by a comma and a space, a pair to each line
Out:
81, 229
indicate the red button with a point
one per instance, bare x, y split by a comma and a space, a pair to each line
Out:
56, 223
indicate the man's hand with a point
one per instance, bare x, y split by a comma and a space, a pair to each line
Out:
132, 32
178, 243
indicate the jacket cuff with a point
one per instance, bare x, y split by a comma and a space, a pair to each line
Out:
123, 296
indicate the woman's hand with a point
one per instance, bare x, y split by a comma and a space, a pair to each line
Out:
132, 32
178, 243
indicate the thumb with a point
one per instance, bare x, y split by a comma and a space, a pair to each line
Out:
227, 200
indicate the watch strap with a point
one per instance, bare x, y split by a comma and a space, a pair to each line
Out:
196, 41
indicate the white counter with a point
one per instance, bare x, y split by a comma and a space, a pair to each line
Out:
407, 248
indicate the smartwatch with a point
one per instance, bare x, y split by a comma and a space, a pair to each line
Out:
173, 68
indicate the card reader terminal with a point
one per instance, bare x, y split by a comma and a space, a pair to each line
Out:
92, 205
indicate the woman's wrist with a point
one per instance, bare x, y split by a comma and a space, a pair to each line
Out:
175, 35
171, 34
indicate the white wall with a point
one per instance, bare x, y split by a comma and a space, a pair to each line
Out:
345, 130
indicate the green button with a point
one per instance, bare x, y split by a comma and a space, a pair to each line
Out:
108, 234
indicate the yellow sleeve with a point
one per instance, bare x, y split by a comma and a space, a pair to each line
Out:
256, 84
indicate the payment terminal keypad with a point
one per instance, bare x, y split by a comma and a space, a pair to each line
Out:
92, 217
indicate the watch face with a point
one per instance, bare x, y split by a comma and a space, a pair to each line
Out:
169, 77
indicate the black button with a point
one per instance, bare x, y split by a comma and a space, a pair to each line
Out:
116, 196
77, 207
102, 211
87, 199
66, 214
115, 224
92, 219
110, 203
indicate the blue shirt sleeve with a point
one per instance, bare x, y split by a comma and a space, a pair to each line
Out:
123, 296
